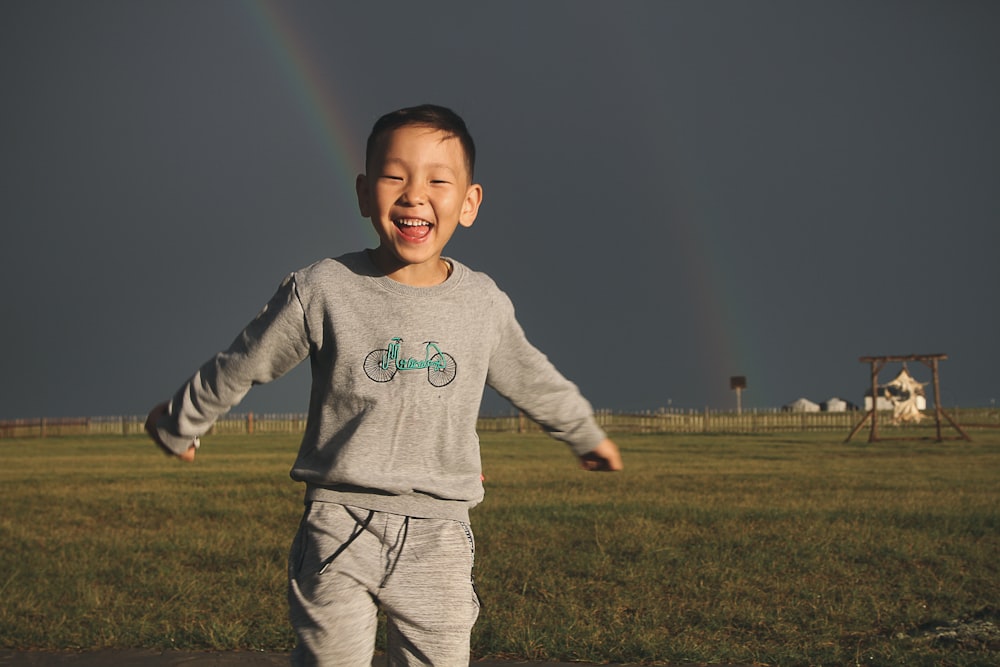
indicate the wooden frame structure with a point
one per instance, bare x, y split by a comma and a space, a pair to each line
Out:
929, 360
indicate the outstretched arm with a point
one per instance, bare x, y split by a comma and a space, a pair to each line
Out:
605, 457
274, 342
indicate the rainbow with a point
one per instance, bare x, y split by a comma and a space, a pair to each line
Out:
312, 89
718, 347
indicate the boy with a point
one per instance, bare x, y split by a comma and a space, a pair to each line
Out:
401, 342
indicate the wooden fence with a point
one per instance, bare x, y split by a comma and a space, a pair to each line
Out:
660, 421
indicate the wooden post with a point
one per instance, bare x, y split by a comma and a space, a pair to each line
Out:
937, 397
858, 426
250, 423
940, 411
873, 434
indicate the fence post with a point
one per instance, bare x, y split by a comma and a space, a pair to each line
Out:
250, 423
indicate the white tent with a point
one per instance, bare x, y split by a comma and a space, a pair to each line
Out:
885, 403
835, 405
801, 405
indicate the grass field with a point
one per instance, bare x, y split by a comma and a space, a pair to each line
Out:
790, 549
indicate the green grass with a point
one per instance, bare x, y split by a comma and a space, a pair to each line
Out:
791, 549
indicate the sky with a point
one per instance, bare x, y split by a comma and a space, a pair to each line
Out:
675, 192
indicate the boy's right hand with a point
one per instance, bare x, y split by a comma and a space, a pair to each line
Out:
154, 416
605, 458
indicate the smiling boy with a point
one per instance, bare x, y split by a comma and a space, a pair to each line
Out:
401, 342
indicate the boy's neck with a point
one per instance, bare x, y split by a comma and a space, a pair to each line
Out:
427, 274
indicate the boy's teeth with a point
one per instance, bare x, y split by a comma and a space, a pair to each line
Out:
413, 229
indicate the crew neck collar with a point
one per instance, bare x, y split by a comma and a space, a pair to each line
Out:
387, 283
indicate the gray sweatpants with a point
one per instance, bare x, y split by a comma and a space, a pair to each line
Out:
346, 563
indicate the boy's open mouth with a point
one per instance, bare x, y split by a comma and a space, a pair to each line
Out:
414, 229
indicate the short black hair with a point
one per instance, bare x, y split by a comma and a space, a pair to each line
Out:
426, 115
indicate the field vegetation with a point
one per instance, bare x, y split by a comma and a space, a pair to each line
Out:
776, 549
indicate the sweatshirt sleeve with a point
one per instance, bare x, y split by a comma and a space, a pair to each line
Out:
522, 374
271, 345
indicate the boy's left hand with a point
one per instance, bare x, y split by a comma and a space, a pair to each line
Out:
151, 421
605, 458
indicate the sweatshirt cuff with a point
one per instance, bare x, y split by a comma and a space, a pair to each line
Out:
585, 438
175, 443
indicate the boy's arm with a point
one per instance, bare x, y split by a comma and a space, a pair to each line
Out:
271, 345
524, 375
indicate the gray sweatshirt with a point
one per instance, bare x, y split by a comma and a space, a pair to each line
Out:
397, 379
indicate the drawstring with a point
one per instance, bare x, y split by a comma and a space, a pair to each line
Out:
359, 527
400, 543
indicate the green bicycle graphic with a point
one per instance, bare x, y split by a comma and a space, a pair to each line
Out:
381, 365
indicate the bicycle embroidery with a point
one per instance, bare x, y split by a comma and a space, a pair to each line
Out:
381, 365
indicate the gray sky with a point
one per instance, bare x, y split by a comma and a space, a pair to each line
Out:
676, 192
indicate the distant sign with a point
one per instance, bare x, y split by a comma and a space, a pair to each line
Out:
738, 382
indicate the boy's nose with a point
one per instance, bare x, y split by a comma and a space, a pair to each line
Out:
412, 195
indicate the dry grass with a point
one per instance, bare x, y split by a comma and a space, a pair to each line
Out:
789, 550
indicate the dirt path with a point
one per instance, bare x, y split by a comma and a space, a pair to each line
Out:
148, 658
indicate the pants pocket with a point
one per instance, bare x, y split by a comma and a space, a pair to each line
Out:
297, 554
470, 536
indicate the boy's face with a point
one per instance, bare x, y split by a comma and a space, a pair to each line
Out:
416, 194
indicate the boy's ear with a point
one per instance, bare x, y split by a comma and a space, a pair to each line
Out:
470, 207
361, 188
